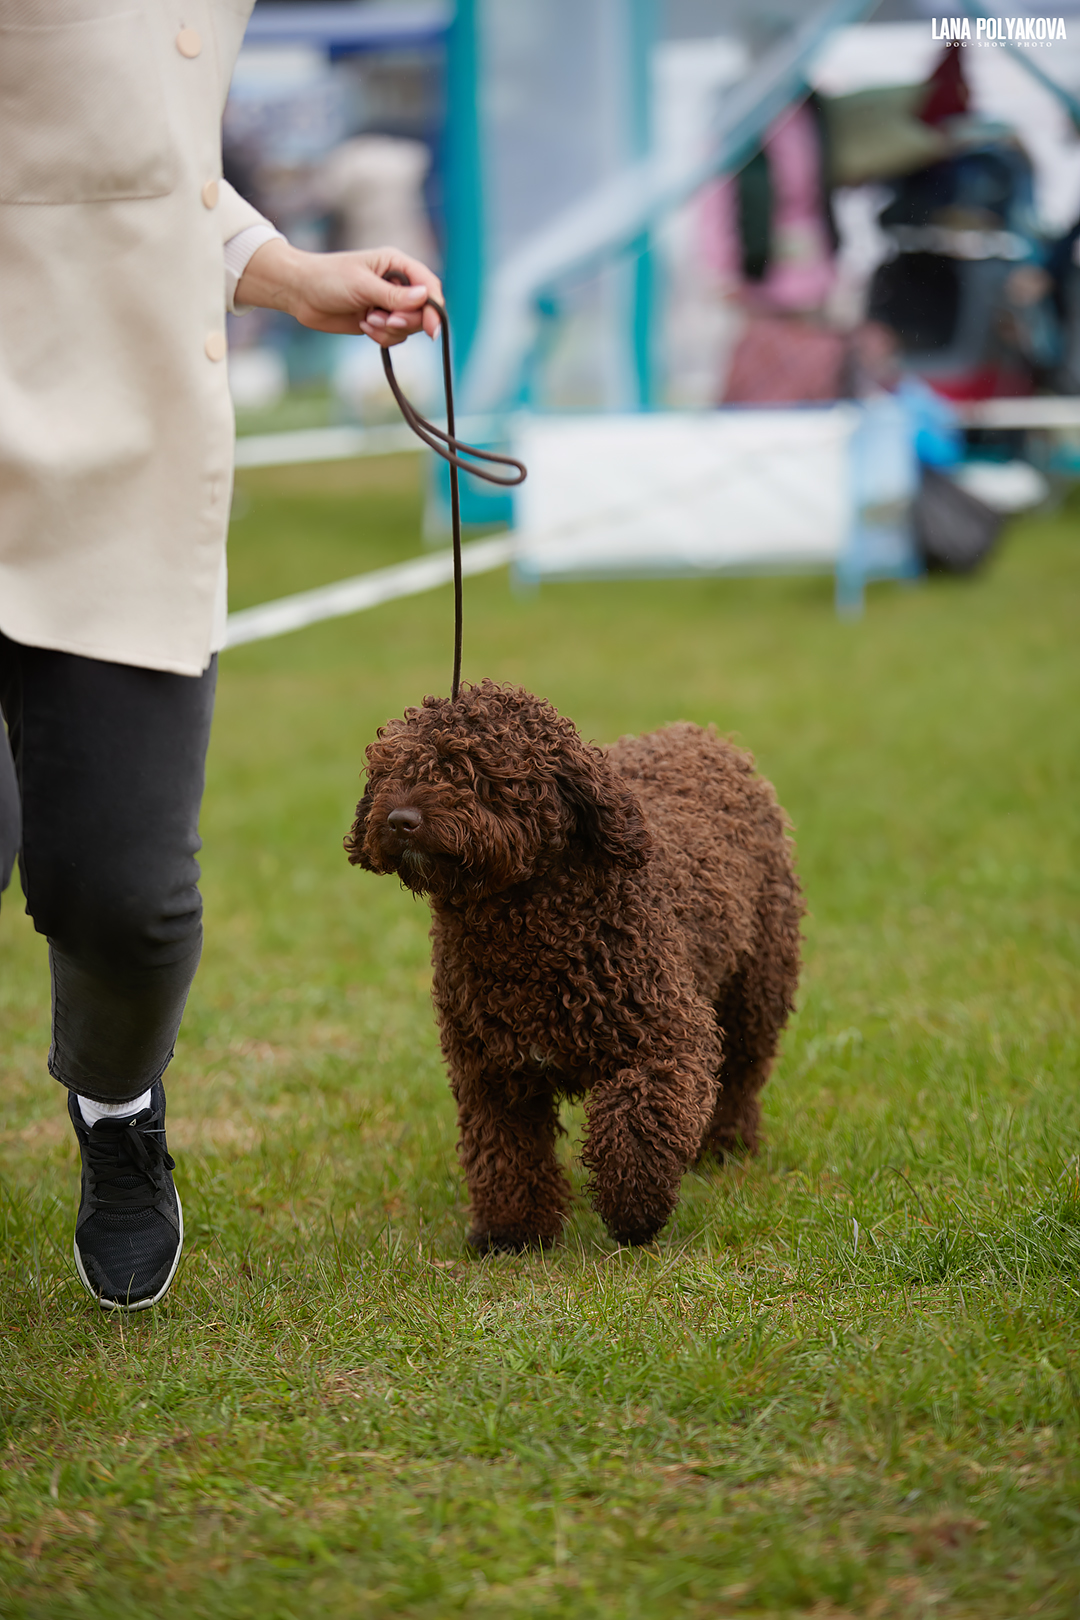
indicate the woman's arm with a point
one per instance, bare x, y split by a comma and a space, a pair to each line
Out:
342, 292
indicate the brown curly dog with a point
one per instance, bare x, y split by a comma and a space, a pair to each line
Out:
621, 922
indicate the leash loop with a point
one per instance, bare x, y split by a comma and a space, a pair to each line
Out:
453, 451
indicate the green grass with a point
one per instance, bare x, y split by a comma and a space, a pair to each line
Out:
846, 1381
307, 405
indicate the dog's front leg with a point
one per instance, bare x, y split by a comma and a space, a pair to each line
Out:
645, 1127
517, 1190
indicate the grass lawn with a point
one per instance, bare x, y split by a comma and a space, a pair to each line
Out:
846, 1380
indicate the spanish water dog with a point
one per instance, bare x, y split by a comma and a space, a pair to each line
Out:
619, 925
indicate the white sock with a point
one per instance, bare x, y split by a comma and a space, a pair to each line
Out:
92, 1111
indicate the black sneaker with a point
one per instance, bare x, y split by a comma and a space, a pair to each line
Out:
130, 1228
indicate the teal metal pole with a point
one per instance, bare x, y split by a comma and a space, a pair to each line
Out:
463, 180
641, 30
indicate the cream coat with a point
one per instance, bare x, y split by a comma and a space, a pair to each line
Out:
116, 427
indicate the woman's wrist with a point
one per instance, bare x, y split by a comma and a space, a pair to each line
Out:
272, 277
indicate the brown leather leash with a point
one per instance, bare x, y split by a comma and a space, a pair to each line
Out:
452, 450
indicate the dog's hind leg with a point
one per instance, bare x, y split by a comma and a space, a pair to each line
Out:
736, 1123
517, 1190
644, 1129
752, 1009
750, 1020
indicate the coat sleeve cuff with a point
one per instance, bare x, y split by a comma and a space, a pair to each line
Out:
238, 250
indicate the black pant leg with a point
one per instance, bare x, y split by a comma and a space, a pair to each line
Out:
110, 761
10, 812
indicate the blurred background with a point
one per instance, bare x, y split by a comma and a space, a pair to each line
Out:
750, 286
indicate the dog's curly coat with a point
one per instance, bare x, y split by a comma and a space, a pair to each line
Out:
621, 922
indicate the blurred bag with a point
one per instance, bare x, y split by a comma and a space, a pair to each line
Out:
783, 360
954, 531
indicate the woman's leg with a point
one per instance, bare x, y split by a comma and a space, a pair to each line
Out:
110, 766
10, 811
110, 762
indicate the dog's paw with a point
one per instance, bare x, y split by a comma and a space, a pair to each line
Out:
636, 1237
719, 1152
506, 1240
711, 1158
635, 1192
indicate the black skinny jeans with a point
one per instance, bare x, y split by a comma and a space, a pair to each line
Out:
105, 772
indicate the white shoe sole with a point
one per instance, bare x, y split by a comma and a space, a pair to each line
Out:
142, 1304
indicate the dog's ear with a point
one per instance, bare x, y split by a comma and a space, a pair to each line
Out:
607, 816
354, 838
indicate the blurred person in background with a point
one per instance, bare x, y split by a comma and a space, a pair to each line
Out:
375, 184
121, 248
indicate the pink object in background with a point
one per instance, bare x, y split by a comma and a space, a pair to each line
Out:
801, 270
785, 360
720, 243
801, 273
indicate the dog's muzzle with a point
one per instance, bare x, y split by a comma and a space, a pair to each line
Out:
399, 850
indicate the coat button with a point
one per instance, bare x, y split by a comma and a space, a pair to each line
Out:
210, 194
215, 346
188, 42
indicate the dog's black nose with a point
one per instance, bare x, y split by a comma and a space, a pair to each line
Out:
404, 820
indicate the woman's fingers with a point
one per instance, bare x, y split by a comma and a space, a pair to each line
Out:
382, 335
423, 284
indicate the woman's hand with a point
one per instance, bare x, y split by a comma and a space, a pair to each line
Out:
343, 292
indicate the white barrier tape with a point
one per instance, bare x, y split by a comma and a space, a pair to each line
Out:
342, 443
1046, 411
322, 444
364, 591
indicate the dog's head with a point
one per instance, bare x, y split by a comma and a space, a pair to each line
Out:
465, 799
